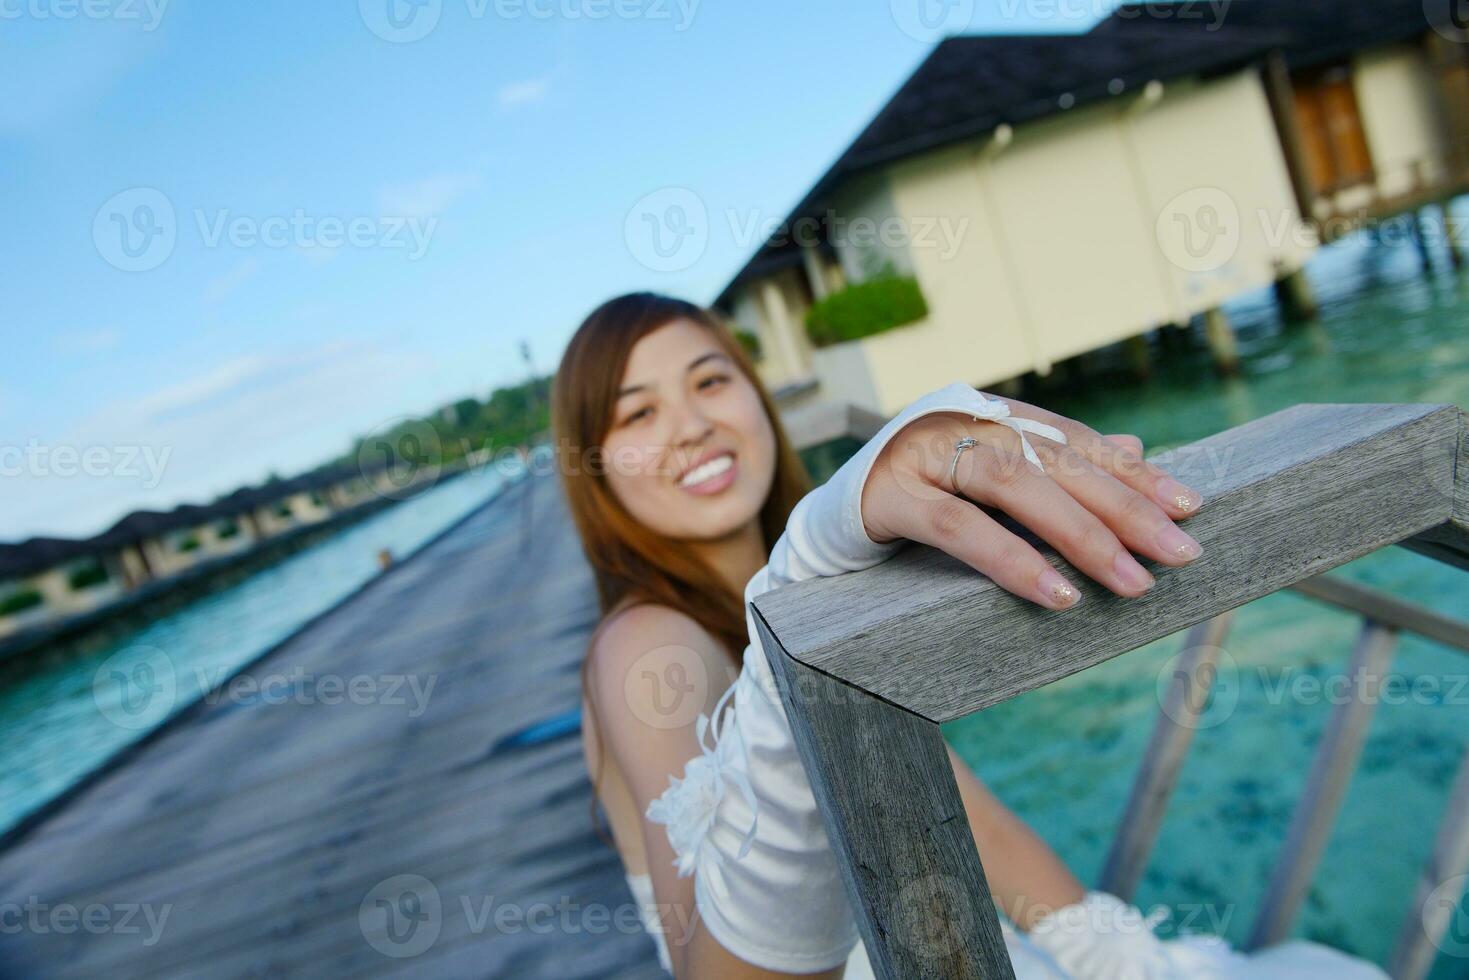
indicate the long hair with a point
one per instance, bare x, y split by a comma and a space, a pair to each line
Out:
631, 563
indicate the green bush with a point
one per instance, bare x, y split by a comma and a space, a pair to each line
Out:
865, 309
189, 543
284, 510
751, 343
19, 602
86, 576
227, 530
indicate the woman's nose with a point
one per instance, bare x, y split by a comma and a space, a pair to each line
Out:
691, 426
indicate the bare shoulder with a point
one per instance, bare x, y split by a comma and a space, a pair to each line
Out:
657, 668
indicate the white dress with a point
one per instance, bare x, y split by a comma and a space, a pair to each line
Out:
1192, 958
743, 821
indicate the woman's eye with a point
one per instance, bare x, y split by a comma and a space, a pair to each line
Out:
712, 381
635, 416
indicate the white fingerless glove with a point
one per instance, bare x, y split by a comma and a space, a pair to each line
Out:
743, 819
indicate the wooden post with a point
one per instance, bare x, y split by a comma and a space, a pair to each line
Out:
1297, 301
1139, 356
1420, 239
883, 781
1188, 694
1438, 893
1331, 769
1222, 345
1454, 234
1280, 93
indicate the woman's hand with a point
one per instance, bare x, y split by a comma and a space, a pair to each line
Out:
1097, 501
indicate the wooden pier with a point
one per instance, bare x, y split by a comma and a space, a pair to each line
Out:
276, 837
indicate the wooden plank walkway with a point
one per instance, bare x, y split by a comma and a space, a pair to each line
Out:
274, 835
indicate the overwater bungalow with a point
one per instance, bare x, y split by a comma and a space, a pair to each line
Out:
1022, 200
45, 581
1371, 98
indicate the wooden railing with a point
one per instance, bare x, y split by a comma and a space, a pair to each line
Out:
870, 664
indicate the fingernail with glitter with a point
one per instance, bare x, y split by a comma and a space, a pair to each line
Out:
1179, 545
1056, 592
1173, 494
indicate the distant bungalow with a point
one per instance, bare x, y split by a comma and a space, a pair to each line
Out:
1026, 199
48, 581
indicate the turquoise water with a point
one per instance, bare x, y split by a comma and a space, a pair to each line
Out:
60, 715
1065, 756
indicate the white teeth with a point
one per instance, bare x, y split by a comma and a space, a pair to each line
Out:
706, 471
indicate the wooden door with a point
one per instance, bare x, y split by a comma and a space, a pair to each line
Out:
1333, 138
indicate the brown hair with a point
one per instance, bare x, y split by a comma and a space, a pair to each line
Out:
631, 563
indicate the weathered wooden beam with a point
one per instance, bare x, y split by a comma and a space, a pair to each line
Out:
1387, 609
1178, 719
892, 810
1440, 888
1331, 770
1287, 496
1449, 542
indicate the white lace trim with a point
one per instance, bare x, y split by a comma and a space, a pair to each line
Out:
687, 807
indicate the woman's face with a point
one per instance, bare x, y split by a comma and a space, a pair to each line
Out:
691, 452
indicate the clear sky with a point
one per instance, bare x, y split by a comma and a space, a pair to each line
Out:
239, 234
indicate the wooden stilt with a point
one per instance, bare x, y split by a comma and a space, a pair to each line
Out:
1222, 344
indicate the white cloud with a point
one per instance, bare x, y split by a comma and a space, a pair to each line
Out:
225, 428
222, 285
426, 197
524, 92
84, 343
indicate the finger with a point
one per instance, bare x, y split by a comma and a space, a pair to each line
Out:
1123, 462
957, 527
1139, 522
1011, 483
1126, 441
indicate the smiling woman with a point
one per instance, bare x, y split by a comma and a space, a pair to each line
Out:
699, 503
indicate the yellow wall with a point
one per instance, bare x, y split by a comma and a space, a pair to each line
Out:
1396, 92
1069, 238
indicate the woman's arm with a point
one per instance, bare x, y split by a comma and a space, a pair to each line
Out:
653, 672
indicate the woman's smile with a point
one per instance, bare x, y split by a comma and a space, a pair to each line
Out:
712, 475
